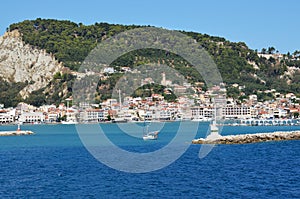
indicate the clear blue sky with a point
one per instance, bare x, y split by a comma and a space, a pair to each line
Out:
258, 23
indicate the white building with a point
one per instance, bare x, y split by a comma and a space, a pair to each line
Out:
32, 117
47, 108
165, 114
93, 115
52, 117
236, 112
109, 70
253, 98
279, 113
228, 112
84, 105
202, 112
7, 116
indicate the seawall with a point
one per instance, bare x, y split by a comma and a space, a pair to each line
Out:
251, 138
12, 133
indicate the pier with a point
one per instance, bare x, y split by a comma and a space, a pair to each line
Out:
11, 133
16, 132
250, 138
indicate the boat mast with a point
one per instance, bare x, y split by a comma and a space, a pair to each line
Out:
67, 114
120, 100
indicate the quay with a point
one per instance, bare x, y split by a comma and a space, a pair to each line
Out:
11, 133
250, 138
16, 132
269, 122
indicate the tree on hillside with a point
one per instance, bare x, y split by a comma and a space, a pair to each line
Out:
271, 50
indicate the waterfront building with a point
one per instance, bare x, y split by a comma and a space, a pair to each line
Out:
236, 112
51, 117
165, 114
32, 117
228, 112
7, 117
202, 112
92, 115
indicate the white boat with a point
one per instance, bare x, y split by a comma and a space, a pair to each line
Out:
153, 135
119, 120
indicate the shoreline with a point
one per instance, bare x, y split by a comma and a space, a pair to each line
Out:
155, 121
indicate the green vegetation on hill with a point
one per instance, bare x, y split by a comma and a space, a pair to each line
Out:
149, 89
53, 94
9, 95
70, 43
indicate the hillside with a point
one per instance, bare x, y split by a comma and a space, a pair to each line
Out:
27, 67
70, 43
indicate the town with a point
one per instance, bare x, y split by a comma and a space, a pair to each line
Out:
283, 109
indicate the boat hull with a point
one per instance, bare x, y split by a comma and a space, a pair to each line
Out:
69, 122
151, 136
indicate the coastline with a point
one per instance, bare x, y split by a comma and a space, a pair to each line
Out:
295, 122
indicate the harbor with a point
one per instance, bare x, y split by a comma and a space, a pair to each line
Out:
250, 138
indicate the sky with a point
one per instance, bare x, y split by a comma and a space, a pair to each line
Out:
258, 23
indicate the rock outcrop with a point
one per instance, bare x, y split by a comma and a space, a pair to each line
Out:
250, 138
20, 62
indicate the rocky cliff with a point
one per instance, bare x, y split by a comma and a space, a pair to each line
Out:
20, 62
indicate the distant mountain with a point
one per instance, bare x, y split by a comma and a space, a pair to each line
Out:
69, 43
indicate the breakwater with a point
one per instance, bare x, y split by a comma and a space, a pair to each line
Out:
12, 133
250, 138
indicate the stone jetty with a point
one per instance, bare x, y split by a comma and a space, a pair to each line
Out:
12, 133
250, 138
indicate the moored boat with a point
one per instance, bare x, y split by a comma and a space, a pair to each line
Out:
151, 136
69, 122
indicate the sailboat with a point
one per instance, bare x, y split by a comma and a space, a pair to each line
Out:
153, 135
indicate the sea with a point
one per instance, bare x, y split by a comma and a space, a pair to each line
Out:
56, 163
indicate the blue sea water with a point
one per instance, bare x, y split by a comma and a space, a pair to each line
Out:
53, 163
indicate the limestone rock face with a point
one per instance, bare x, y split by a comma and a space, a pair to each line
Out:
20, 62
